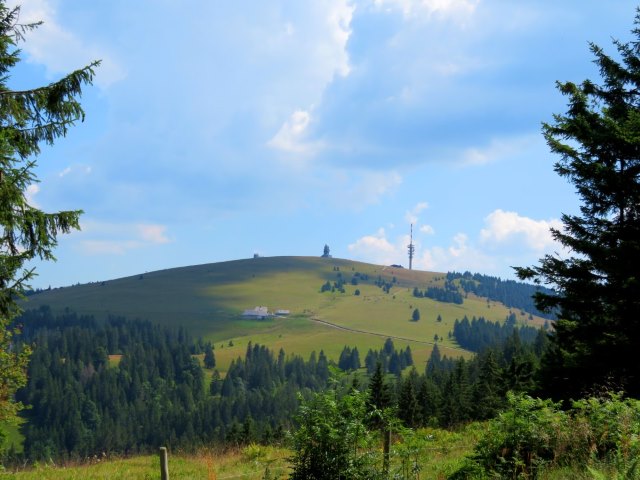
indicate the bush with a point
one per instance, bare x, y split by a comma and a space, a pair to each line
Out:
523, 438
532, 435
332, 440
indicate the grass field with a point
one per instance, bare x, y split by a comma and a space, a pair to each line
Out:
440, 456
208, 300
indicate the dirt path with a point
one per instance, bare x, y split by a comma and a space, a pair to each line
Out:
382, 335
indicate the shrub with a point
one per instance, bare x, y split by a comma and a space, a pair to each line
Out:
523, 438
534, 434
332, 440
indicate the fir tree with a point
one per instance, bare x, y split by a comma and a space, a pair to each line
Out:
28, 118
209, 357
598, 287
488, 395
379, 394
408, 406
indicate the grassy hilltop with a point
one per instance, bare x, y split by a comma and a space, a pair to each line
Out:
209, 299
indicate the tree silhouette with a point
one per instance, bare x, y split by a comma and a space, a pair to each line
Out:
596, 337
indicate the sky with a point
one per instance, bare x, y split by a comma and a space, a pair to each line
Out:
217, 130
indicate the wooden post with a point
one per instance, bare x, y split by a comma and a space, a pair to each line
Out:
385, 451
164, 464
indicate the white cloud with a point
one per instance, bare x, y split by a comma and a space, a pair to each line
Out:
459, 255
369, 188
81, 169
503, 227
412, 215
427, 229
375, 248
291, 136
97, 238
459, 246
456, 9
498, 150
30, 194
339, 21
108, 247
59, 50
155, 234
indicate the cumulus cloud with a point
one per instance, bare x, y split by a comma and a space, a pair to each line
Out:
291, 136
457, 9
376, 247
427, 229
460, 254
339, 22
503, 227
506, 239
99, 238
412, 215
30, 194
155, 234
58, 49
366, 188
497, 150
79, 169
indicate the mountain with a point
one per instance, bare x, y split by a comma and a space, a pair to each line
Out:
209, 300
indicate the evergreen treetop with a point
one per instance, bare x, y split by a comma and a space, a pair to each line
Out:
27, 119
595, 340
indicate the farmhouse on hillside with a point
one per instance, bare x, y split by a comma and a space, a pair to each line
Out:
257, 312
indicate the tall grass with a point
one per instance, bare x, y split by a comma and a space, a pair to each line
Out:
249, 463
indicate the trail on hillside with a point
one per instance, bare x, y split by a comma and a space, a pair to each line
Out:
384, 335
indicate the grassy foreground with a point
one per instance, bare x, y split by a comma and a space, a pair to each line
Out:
440, 457
441, 454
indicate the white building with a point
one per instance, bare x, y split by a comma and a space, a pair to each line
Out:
257, 312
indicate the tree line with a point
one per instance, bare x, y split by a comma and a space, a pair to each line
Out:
128, 386
508, 292
478, 334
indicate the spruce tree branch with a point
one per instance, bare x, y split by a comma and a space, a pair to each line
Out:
87, 73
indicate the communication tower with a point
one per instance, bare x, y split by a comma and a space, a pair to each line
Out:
411, 247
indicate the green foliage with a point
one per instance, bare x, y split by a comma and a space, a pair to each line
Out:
523, 438
598, 300
610, 427
27, 119
415, 316
209, 357
81, 404
332, 440
533, 436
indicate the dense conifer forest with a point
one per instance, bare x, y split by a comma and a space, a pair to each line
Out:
509, 292
128, 386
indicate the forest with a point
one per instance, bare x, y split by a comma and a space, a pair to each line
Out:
560, 400
129, 386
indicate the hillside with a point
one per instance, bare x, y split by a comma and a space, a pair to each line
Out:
209, 300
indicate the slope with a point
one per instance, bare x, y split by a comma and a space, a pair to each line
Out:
209, 299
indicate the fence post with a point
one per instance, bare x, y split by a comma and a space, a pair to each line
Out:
164, 464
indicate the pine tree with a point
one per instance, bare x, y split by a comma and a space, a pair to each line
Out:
379, 393
209, 357
408, 406
28, 118
488, 395
594, 343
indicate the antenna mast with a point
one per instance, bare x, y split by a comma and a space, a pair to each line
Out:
411, 247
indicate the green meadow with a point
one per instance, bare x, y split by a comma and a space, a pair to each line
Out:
208, 300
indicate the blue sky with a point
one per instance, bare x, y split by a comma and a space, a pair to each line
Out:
215, 130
